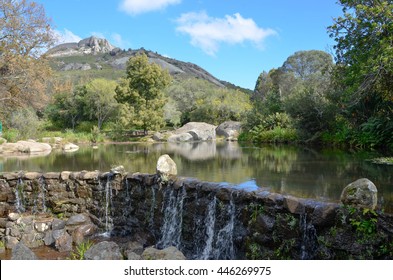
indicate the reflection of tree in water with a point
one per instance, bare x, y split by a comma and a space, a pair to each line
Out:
273, 158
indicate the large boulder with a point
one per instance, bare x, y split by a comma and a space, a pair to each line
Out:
166, 167
170, 253
22, 252
229, 129
361, 193
29, 147
70, 147
194, 131
106, 250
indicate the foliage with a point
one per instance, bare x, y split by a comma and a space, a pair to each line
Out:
364, 75
67, 108
79, 251
364, 222
199, 100
95, 134
275, 135
25, 32
100, 100
141, 93
25, 123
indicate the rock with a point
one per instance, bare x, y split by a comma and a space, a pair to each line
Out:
30, 147
170, 253
64, 242
133, 256
13, 216
194, 131
22, 252
182, 137
10, 242
48, 239
33, 239
324, 214
41, 227
135, 247
82, 231
118, 170
361, 193
166, 167
78, 219
229, 129
58, 224
106, 250
70, 147
294, 205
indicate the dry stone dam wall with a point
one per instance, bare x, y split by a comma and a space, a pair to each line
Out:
203, 220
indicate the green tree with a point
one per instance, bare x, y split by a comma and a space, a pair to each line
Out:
364, 75
100, 100
67, 108
24, 33
142, 93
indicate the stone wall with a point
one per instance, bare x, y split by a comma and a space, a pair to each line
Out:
204, 220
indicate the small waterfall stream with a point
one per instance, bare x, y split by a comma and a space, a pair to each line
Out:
309, 242
42, 193
210, 221
223, 248
19, 200
172, 209
108, 221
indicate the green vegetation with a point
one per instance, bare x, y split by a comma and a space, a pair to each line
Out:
141, 94
311, 98
79, 251
364, 222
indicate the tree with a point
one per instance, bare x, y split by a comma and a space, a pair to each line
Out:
67, 108
24, 33
364, 76
142, 93
100, 100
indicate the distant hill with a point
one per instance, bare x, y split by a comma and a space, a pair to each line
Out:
96, 58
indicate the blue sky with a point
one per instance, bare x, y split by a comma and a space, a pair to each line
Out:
235, 40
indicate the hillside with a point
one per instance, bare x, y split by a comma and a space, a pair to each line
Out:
95, 57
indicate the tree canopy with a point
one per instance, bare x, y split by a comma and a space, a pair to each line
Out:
142, 93
25, 32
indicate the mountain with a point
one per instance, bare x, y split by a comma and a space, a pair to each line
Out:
96, 57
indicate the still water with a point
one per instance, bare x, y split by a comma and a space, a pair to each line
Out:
299, 171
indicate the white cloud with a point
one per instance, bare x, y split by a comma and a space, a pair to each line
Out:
118, 41
207, 33
134, 7
66, 36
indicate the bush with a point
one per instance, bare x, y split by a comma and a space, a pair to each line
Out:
275, 135
25, 123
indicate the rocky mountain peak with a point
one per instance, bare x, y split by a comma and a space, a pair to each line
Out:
91, 45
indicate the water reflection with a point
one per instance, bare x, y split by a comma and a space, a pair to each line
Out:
298, 171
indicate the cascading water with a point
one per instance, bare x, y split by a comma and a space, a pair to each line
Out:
309, 242
210, 221
224, 247
19, 201
152, 207
108, 206
173, 219
43, 190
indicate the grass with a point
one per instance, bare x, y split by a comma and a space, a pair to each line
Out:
79, 251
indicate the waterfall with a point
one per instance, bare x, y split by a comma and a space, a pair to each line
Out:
43, 190
173, 219
153, 205
19, 199
309, 242
224, 248
210, 221
108, 206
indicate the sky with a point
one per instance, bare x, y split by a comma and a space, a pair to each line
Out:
234, 40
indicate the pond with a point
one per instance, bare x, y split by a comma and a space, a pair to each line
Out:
298, 171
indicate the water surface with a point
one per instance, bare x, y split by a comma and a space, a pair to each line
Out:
299, 171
